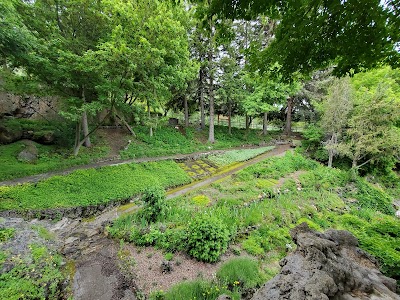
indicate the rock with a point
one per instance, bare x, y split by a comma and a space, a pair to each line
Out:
30, 153
8, 136
327, 266
166, 267
398, 213
44, 137
224, 297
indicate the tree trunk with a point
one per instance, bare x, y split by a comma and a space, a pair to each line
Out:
330, 159
247, 122
288, 129
202, 112
85, 126
229, 118
185, 103
265, 123
211, 137
149, 117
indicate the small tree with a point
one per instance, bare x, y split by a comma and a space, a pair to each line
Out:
153, 204
336, 110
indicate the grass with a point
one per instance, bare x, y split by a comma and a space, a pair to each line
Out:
92, 186
50, 158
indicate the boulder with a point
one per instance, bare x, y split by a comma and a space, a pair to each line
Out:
327, 266
30, 153
8, 136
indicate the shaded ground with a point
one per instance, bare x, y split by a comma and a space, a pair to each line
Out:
116, 138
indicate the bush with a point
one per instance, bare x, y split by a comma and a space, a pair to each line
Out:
154, 204
208, 238
243, 272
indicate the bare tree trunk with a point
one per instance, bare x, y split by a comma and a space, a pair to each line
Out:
185, 103
85, 129
229, 118
149, 116
247, 122
77, 134
330, 159
85, 126
288, 129
265, 123
202, 112
211, 137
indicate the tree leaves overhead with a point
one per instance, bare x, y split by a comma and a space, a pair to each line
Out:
312, 34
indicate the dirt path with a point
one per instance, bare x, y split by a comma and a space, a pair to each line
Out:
116, 162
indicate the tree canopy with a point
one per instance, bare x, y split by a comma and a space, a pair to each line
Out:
352, 34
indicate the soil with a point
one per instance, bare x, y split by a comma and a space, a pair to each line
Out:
116, 138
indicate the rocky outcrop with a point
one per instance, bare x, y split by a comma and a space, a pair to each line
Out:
29, 107
327, 266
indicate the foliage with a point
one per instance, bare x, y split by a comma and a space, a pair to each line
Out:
323, 33
243, 270
233, 156
38, 278
201, 200
168, 140
208, 238
6, 234
336, 111
199, 289
372, 197
50, 158
372, 132
154, 204
92, 186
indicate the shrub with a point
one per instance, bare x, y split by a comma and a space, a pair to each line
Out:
243, 271
208, 238
154, 204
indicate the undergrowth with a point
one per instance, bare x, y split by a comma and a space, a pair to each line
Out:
92, 186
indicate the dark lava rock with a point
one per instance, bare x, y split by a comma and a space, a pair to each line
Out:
327, 266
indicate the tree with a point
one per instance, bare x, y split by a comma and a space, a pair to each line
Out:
336, 111
312, 35
372, 133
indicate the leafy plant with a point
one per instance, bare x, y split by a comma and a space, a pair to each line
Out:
208, 238
6, 234
154, 204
